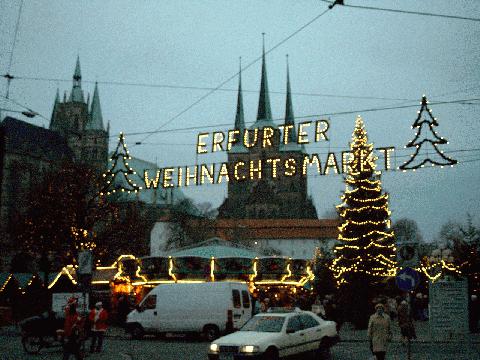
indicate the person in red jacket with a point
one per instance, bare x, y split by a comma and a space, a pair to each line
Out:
98, 318
72, 332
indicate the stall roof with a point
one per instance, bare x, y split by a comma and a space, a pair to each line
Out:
3, 278
217, 251
51, 276
23, 278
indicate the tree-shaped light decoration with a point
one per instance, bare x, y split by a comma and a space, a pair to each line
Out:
426, 138
367, 242
120, 168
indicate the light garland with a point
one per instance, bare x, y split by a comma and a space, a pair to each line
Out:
6, 282
438, 140
427, 270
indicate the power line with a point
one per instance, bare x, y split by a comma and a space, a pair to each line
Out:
25, 107
15, 36
190, 87
406, 12
226, 125
7, 75
235, 75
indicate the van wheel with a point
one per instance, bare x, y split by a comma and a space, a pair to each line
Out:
271, 354
137, 332
211, 332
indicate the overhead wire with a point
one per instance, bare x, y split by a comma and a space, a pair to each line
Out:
15, 34
7, 75
399, 11
236, 74
190, 87
226, 125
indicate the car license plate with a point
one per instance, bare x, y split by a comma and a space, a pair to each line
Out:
225, 356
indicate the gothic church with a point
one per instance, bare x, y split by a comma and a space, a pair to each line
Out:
282, 197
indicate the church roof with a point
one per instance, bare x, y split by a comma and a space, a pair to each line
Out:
264, 109
239, 116
54, 111
96, 119
77, 93
22, 137
290, 121
279, 228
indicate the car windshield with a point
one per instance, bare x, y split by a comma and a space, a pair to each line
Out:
264, 323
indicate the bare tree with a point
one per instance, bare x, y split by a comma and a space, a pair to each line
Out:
407, 230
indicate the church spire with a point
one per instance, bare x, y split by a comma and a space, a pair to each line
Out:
96, 118
54, 111
289, 117
264, 110
77, 93
77, 75
239, 116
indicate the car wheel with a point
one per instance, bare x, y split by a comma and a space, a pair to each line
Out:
137, 332
271, 354
324, 352
211, 332
32, 344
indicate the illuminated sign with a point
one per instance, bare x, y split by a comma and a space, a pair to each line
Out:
280, 164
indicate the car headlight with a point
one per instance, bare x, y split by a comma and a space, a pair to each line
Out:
249, 349
213, 348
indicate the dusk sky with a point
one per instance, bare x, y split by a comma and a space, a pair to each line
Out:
154, 59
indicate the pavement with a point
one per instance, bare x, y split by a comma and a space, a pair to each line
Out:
422, 329
354, 346
347, 334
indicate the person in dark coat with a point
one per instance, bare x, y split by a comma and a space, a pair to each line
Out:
405, 321
123, 309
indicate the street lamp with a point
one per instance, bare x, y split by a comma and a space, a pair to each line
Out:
28, 113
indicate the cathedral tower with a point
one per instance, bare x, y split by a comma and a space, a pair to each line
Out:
81, 124
266, 196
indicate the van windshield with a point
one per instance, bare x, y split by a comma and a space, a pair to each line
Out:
264, 324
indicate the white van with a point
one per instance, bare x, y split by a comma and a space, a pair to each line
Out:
208, 308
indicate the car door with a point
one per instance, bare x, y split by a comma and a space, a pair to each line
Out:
246, 308
312, 331
148, 313
294, 337
237, 309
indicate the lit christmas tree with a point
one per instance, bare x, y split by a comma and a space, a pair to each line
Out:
120, 169
426, 141
367, 243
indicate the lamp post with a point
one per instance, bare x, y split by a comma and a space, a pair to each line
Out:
28, 113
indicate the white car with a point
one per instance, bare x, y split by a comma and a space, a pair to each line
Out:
277, 334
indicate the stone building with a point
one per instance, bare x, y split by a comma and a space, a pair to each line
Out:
265, 196
76, 133
81, 124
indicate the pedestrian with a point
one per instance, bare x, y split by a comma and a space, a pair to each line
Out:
123, 309
72, 332
98, 318
379, 332
474, 313
405, 321
264, 305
